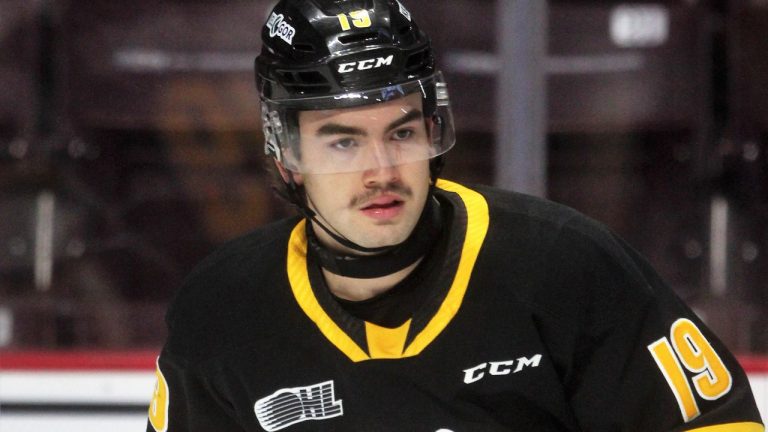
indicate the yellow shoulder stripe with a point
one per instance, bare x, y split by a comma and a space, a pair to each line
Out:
732, 427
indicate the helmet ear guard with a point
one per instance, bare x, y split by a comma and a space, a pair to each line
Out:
442, 129
272, 127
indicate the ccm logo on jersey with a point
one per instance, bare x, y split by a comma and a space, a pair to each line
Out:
475, 374
289, 406
361, 65
278, 27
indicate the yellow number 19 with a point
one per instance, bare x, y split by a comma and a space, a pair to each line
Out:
690, 349
360, 19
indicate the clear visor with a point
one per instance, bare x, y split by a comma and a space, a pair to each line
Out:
375, 129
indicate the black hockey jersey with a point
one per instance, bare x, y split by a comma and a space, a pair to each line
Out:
537, 319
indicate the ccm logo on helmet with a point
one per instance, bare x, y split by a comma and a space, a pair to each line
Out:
366, 64
278, 27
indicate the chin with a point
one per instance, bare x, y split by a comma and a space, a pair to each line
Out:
374, 241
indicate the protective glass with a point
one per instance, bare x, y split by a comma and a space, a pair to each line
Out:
359, 131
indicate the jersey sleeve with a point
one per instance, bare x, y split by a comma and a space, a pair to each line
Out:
642, 360
184, 401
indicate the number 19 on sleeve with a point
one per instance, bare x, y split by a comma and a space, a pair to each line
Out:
689, 349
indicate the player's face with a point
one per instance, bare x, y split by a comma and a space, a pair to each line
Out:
380, 204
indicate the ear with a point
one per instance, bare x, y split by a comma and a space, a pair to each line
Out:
287, 175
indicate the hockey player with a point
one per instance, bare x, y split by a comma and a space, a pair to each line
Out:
399, 301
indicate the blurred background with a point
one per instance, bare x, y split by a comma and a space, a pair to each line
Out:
130, 147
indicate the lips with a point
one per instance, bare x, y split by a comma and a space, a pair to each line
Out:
383, 207
383, 202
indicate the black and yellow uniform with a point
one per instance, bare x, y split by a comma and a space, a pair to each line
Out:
525, 317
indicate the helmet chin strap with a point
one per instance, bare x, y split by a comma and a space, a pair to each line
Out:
378, 261
393, 259
341, 239
301, 203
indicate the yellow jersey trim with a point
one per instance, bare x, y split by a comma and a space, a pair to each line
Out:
158, 407
385, 343
302, 291
732, 427
478, 220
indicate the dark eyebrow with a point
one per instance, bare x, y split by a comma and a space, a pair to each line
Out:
339, 129
408, 117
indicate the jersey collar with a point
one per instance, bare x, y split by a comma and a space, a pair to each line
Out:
412, 337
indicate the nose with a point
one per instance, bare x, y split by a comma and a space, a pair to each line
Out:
383, 169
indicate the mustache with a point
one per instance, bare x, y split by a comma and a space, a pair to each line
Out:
397, 188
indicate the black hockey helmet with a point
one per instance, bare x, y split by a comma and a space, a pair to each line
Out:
332, 54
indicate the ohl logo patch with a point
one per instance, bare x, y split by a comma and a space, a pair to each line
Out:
289, 406
158, 408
